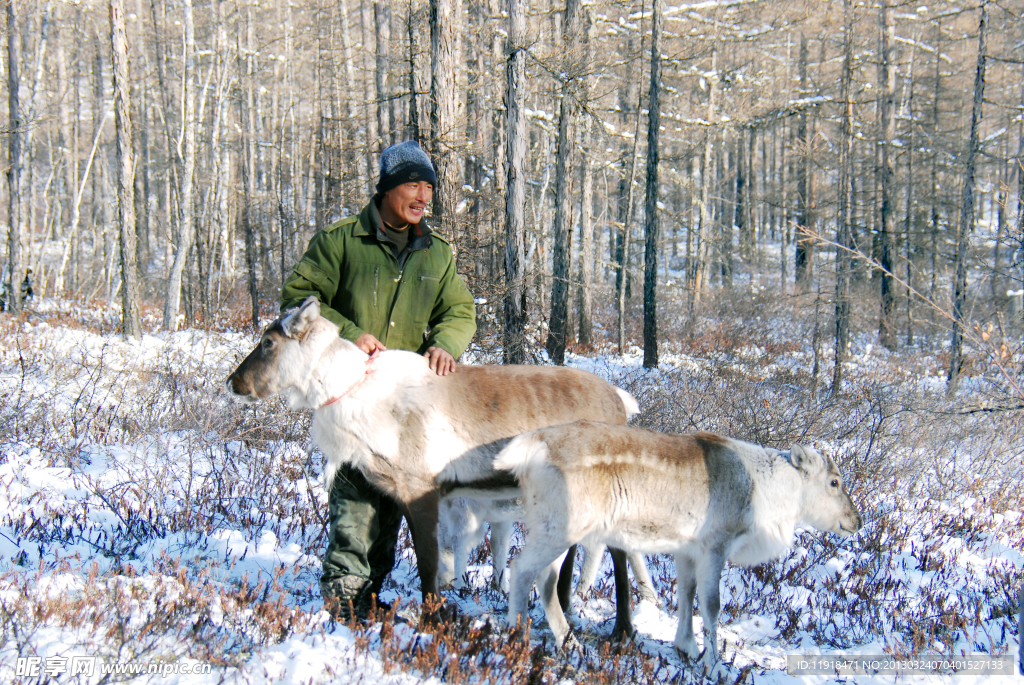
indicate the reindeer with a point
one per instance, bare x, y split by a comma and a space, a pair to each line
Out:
702, 497
412, 432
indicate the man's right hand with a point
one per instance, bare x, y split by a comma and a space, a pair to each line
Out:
369, 344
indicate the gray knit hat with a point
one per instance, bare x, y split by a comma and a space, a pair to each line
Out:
403, 163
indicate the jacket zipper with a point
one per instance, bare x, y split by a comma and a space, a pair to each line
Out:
376, 281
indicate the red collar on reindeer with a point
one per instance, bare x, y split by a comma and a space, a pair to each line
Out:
353, 386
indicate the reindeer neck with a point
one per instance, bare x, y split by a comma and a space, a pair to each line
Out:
340, 367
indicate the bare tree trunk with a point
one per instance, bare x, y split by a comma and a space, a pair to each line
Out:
1001, 199
935, 190
803, 264
382, 84
725, 215
372, 133
967, 219
187, 178
414, 129
784, 210
563, 221
15, 267
68, 100
514, 342
627, 223
1019, 239
584, 298
478, 120
444, 49
130, 320
651, 230
248, 120
625, 238
706, 175
843, 241
887, 331
142, 182
743, 181
911, 207
221, 148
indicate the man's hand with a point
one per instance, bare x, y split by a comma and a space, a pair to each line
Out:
440, 361
369, 344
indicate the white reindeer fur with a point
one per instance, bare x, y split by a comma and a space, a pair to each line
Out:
703, 498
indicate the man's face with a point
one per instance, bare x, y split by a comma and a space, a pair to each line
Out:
406, 203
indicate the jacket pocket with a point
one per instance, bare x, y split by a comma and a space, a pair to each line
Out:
427, 288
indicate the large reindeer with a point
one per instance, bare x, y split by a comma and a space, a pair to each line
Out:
413, 433
702, 497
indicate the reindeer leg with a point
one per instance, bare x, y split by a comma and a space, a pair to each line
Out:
709, 577
591, 563
643, 578
538, 561
449, 529
686, 584
565, 578
623, 609
501, 534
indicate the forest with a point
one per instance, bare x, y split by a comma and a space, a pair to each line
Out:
179, 156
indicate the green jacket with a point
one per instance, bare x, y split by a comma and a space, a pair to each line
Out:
419, 303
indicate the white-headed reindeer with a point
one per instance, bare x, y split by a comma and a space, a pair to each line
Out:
702, 497
410, 431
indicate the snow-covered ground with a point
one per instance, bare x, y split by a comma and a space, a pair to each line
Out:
146, 520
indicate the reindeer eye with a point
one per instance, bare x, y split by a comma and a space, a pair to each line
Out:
834, 483
268, 343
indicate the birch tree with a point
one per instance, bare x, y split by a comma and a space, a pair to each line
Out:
186, 194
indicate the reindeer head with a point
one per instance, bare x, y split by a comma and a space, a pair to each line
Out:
826, 505
286, 357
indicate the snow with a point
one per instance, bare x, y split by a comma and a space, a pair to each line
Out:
135, 496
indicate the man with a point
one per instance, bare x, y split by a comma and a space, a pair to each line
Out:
387, 281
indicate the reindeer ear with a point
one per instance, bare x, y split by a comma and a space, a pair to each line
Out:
298, 321
806, 459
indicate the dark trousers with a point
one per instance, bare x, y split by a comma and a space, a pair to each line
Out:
362, 530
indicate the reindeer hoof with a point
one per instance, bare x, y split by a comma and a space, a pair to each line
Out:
435, 612
709, 660
688, 650
623, 632
570, 646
